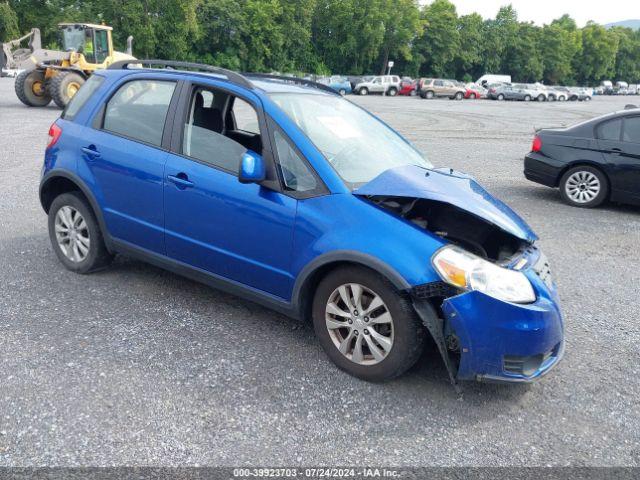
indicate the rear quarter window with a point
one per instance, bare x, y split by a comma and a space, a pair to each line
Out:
81, 97
609, 130
631, 130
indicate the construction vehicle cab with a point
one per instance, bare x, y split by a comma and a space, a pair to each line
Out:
58, 74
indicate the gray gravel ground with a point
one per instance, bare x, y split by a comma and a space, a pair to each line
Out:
137, 366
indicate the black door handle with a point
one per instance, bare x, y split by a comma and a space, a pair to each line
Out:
615, 151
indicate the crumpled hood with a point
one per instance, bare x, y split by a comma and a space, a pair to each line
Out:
448, 186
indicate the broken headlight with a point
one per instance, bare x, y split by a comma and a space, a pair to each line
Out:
470, 272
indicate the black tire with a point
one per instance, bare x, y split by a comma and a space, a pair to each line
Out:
429, 95
458, 96
63, 86
561, 98
363, 91
392, 92
31, 88
98, 256
587, 99
527, 98
552, 98
408, 332
600, 197
500, 97
541, 98
342, 92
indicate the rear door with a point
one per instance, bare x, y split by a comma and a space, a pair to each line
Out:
438, 88
123, 156
630, 157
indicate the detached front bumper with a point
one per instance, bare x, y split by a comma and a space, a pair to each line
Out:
501, 341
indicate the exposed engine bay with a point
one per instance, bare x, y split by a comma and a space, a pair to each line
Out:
456, 225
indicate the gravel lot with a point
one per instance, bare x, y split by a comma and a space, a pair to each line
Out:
137, 366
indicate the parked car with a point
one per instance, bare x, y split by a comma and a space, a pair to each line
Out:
474, 91
382, 84
408, 87
356, 79
440, 87
581, 94
633, 89
337, 83
538, 91
509, 92
281, 191
590, 162
558, 93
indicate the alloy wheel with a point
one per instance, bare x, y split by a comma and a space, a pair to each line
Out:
72, 234
582, 187
359, 324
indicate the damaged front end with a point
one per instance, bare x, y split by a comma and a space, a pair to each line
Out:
495, 315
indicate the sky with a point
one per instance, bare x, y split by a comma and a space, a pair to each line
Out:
544, 11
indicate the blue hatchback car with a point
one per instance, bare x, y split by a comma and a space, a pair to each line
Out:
281, 191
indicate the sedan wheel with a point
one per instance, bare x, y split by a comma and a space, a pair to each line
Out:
500, 97
584, 186
363, 91
359, 324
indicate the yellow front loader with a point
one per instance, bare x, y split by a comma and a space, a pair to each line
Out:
58, 74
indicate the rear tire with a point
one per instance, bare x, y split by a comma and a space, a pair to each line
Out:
31, 88
541, 98
392, 92
342, 92
91, 253
429, 95
402, 337
500, 97
64, 86
527, 98
458, 96
584, 187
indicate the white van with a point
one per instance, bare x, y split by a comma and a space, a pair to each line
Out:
488, 79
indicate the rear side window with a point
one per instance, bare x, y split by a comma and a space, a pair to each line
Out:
138, 110
81, 97
631, 130
609, 130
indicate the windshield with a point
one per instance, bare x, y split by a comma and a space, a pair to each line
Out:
356, 144
72, 38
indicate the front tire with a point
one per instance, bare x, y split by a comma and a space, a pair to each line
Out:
541, 98
392, 92
458, 96
365, 326
500, 97
429, 95
342, 92
75, 235
527, 98
584, 187
363, 91
31, 88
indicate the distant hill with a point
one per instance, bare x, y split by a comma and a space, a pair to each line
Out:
635, 24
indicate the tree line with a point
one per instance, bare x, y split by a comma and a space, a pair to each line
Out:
346, 37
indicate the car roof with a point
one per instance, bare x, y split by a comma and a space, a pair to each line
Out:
275, 84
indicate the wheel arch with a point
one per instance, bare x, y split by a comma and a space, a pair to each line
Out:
57, 182
320, 267
584, 163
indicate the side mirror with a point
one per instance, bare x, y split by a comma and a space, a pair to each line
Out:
252, 168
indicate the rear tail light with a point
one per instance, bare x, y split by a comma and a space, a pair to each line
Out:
54, 134
536, 146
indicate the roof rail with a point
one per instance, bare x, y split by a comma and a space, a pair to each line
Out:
232, 76
294, 80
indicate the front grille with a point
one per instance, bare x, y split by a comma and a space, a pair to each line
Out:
434, 289
526, 365
543, 270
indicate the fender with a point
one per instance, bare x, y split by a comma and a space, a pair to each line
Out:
340, 256
58, 173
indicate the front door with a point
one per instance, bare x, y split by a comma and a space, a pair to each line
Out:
242, 232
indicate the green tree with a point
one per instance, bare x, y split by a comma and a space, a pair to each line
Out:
9, 29
438, 46
559, 44
401, 25
598, 56
468, 60
627, 65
